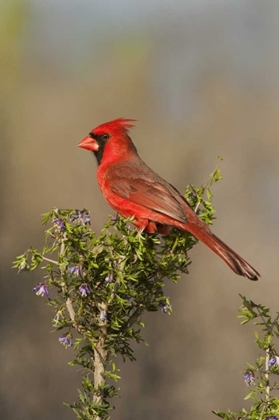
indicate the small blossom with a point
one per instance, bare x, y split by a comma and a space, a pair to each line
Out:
103, 316
273, 361
21, 266
114, 218
60, 224
165, 308
86, 218
76, 269
249, 378
41, 290
271, 418
66, 340
58, 317
81, 216
76, 215
84, 290
109, 279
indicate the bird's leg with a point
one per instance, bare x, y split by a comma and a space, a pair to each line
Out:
145, 225
163, 229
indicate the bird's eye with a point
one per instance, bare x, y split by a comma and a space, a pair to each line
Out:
105, 136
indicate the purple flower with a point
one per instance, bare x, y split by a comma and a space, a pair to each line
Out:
84, 290
60, 224
109, 279
66, 340
81, 216
41, 290
273, 361
103, 316
86, 217
271, 418
76, 269
165, 308
249, 378
114, 218
76, 215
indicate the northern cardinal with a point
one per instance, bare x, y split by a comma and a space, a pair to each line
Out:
133, 189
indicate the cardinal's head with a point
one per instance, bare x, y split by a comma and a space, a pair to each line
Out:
112, 135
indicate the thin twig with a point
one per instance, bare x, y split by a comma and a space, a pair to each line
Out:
134, 317
71, 310
267, 355
274, 322
51, 261
267, 387
69, 304
100, 359
62, 247
208, 184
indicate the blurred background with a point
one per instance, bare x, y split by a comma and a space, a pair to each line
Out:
202, 80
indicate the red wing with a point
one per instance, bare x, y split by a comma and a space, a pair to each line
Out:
147, 189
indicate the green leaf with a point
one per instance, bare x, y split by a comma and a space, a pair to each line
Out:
216, 175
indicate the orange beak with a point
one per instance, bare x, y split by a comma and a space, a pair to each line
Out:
89, 144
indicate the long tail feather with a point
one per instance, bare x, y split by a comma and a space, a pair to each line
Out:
231, 258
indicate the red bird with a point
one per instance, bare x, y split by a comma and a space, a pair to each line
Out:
133, 189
